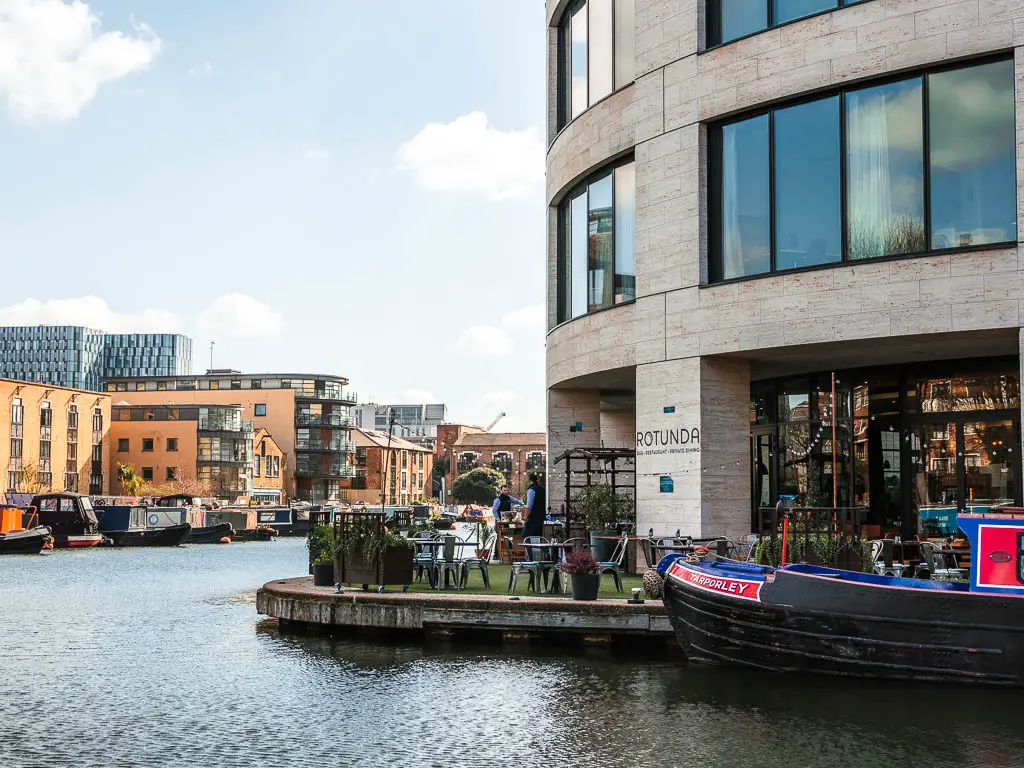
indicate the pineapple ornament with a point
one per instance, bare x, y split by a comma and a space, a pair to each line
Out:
652, 583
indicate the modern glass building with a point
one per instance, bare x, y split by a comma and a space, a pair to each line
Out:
79, 357
783, 256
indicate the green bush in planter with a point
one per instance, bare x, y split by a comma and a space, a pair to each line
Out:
602, 508
321, 544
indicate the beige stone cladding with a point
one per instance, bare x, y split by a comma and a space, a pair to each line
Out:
933, 302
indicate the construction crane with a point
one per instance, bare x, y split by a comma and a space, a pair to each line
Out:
498, 418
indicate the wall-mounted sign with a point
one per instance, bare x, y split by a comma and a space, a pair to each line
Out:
666, 484
670, 409
658, 441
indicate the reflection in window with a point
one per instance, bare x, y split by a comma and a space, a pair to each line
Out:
599, 267
597, 234
980, 392
971, 151
731, 19
972, 181
788, 10
745, 228
597, 52
808, 221
886, 177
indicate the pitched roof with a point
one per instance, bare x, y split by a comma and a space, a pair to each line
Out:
501, 439
371, 438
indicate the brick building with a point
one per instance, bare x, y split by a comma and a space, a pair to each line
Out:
268, 466
514, 454
54, 438
409, 469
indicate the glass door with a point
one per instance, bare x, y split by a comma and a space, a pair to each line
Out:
967, 465
762, 480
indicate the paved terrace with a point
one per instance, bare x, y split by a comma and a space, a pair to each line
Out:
521, 618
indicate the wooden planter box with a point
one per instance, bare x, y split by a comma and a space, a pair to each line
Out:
395, 568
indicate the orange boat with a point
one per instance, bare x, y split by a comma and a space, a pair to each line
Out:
19, 538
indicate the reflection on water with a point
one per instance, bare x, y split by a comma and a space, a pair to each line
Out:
139, 658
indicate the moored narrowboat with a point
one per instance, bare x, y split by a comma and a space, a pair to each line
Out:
18, 537
807, 618
70, 518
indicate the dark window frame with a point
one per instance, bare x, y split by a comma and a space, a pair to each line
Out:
563, 251
715, 177
256, 409
713, 23
123, 445
172, 444
563, 86
152, 444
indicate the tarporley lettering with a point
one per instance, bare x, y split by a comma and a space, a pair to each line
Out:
747, 590
668, 437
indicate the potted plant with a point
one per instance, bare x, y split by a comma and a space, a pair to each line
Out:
483, 535
365, 557
581, 568
602, 509
321, 544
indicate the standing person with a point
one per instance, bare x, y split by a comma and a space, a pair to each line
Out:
503, 504
536, 502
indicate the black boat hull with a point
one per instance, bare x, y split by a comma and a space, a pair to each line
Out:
210, 534
171, 536
802, 623
254, 534
30, 542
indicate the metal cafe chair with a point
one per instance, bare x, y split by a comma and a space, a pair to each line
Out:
447, 562
527, 566
469, 563
423, 557
542, 556
614, 566
570, 545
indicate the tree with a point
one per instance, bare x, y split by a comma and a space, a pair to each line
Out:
130, 481
184, 483
478, 486
32, 478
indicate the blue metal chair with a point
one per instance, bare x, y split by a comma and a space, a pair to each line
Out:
530, 567
423, 557
448, 562
469, 563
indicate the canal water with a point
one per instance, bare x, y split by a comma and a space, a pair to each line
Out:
157, 658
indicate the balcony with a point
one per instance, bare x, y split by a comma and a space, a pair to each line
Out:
328, 395
323, 420
329, 471
339, 446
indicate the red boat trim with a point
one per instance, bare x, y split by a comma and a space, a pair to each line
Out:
742, 589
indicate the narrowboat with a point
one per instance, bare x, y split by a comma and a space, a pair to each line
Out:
287, 521
807, 618
70, 518
244, 522
125, 526
181, 508
18, 537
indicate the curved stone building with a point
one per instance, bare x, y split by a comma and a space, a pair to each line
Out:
754, 205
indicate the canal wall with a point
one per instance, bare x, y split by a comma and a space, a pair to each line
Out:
300, 605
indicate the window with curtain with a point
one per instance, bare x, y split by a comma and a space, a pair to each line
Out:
922, 164
597, 235
597, 52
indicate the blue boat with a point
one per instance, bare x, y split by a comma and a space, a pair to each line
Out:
126, 526
807, 618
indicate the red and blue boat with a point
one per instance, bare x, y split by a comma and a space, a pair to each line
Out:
808, 618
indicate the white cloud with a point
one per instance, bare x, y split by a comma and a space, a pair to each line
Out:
236, 314
527, 318
415, 396
90, 311
317, 153
203, 69
471, 155
484, 341
54, 58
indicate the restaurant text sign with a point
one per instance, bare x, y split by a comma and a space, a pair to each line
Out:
654, 442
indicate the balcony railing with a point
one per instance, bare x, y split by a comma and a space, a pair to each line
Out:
323, 420
332, 395
344, 446
324, 470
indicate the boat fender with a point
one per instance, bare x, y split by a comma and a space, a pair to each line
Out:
225, 540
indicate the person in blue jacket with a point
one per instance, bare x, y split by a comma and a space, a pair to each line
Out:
536, 502
503, 504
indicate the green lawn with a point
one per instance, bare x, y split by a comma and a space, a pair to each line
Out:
499, 584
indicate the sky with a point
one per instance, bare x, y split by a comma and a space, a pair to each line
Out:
323, 186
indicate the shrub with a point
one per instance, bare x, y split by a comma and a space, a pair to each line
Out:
579, 561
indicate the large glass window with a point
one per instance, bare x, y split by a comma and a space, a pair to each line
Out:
926, 163
745, 234
732, 19
597, 255
597, 51
971, 156
885, 170
808, 216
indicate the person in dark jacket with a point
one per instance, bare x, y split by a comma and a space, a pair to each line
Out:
503, 502
536, 502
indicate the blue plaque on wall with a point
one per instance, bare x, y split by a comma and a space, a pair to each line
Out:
666, 485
